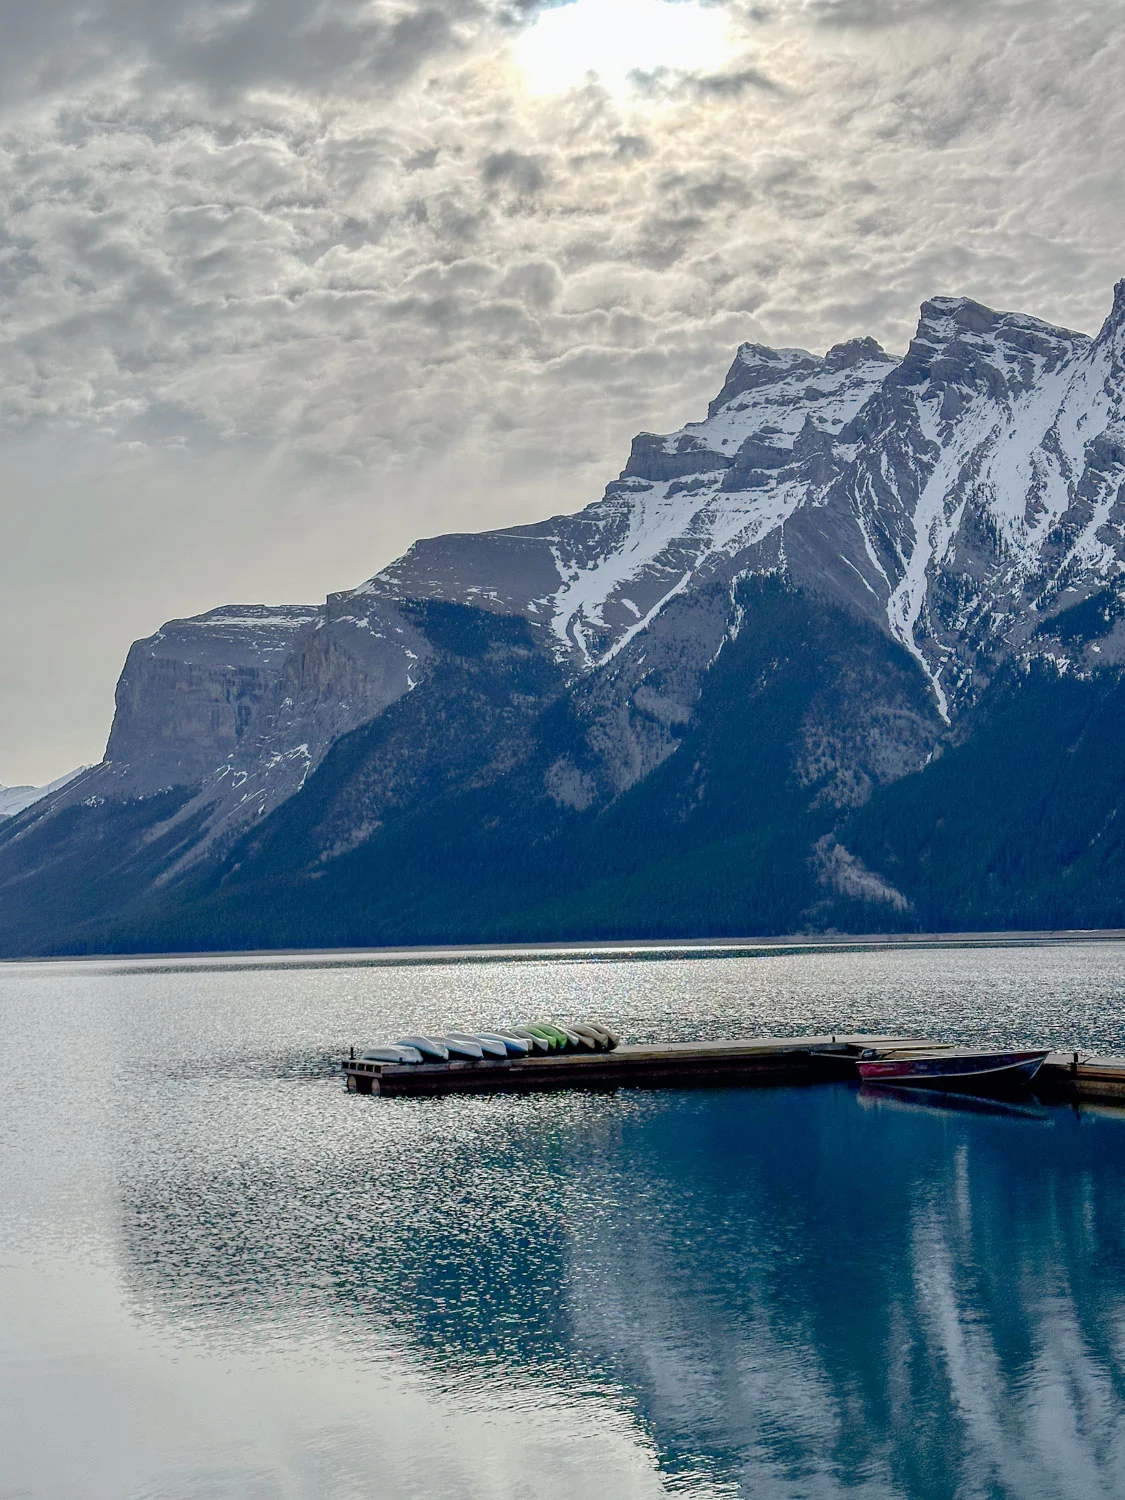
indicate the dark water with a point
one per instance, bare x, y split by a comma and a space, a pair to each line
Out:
220, 1275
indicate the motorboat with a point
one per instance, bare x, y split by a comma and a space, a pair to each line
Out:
960, 1069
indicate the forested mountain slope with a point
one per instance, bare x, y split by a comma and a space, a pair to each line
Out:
845, 653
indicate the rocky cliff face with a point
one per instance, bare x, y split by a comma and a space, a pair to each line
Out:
190, 696
962, 504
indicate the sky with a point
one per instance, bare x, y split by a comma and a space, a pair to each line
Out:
285, 284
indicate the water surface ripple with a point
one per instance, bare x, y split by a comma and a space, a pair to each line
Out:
221, 1275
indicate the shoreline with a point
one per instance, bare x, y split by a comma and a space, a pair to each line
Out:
605, 950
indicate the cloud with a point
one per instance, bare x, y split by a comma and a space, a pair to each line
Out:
731, 85
225, 46
894, 12
524, 173
339, 244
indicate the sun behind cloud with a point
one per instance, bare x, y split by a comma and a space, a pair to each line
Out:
610, 39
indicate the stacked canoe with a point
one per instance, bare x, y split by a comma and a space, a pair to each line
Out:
540, 1037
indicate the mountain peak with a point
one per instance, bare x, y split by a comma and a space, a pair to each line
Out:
886, 545
854, 352
962, 342
754, 356
1113, 329
944, 318
757, 365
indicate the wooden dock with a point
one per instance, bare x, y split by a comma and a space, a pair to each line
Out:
764, 1060
1064, 1077
1070, 1077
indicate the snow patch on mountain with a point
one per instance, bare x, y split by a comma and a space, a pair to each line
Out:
958, 498
740, 474
949, 495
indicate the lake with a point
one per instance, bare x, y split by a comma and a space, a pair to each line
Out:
223, 1276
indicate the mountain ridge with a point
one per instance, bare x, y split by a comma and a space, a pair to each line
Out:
959, 509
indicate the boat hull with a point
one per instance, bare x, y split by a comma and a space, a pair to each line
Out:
969, 1073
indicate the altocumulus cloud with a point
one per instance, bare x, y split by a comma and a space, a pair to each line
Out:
283, 285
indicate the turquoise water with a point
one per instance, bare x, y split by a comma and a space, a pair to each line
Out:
221, 1275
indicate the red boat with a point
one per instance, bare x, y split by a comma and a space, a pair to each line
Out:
966, 1072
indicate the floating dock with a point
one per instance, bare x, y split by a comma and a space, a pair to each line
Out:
1064, 1077
798, 1059
1067, 1077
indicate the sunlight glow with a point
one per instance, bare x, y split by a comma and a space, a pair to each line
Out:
613, 38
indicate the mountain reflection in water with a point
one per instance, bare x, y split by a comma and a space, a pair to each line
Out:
793, 1292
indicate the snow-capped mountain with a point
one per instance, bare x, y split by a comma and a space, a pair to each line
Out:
683, 509
13, 799
963, 505
959, 496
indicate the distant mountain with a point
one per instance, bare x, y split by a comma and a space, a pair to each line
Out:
848, 652
14, 799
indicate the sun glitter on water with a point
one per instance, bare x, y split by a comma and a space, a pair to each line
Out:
611, 39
